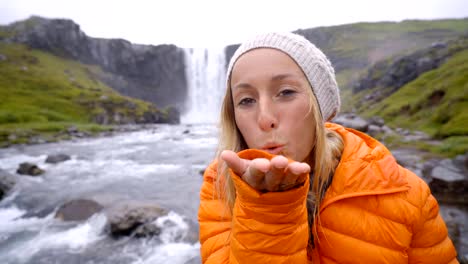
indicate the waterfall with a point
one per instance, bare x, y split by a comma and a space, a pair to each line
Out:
205, 71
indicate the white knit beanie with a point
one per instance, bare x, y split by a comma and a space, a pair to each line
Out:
315, 65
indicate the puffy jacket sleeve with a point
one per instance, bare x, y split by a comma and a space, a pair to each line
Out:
214, 219
263, 228
431, 243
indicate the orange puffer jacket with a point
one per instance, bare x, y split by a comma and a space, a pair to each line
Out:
373, 212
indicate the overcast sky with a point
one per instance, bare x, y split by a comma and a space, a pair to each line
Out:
203, 23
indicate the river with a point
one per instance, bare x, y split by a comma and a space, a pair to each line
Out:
161, 164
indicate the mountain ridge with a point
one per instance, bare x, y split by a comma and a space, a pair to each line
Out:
357, 52
147, 72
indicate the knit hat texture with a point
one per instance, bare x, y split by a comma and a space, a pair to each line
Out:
313, 62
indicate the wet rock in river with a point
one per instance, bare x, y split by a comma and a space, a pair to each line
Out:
31, 169
7, 181
78, 210
134, 218
56, 158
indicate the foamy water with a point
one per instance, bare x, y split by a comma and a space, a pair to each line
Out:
161, 164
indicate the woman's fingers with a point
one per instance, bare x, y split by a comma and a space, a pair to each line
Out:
299, 168
275, 176
237, 165
251, 171
255, 174
305, 168
296, 173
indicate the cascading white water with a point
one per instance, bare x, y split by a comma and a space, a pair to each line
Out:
205, 71
160, 164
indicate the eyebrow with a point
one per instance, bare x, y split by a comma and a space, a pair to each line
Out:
242, 85
281, 77
276, 78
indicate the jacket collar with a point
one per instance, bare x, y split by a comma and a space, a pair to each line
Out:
366, 168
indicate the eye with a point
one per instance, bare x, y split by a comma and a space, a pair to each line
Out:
287, 92
246, 101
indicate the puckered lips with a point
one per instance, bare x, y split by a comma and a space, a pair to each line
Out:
273, 148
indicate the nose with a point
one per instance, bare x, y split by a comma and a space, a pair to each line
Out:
267, 118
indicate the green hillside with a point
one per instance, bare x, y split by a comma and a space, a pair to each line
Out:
436, 102
44, 94
354, 48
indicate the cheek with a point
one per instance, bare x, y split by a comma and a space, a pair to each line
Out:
304, 133
244, 125
305, 144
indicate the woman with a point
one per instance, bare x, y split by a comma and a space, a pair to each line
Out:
288, 187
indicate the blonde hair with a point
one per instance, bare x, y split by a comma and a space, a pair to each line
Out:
324, 158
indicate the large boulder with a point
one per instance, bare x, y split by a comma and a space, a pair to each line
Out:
448, 179
352, 121
31, 169
78, 210
56, 158
7, 181
134, 218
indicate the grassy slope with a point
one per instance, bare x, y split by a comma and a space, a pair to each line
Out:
371, 42
412, 107
41, 93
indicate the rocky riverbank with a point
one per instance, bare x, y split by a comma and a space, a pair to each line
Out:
27, 137
446, 177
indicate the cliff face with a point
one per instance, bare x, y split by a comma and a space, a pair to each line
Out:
152, 73
389, 75
425, 89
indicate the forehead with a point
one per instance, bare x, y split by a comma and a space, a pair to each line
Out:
265, 60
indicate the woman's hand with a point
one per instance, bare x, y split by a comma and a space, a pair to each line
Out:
277, 174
